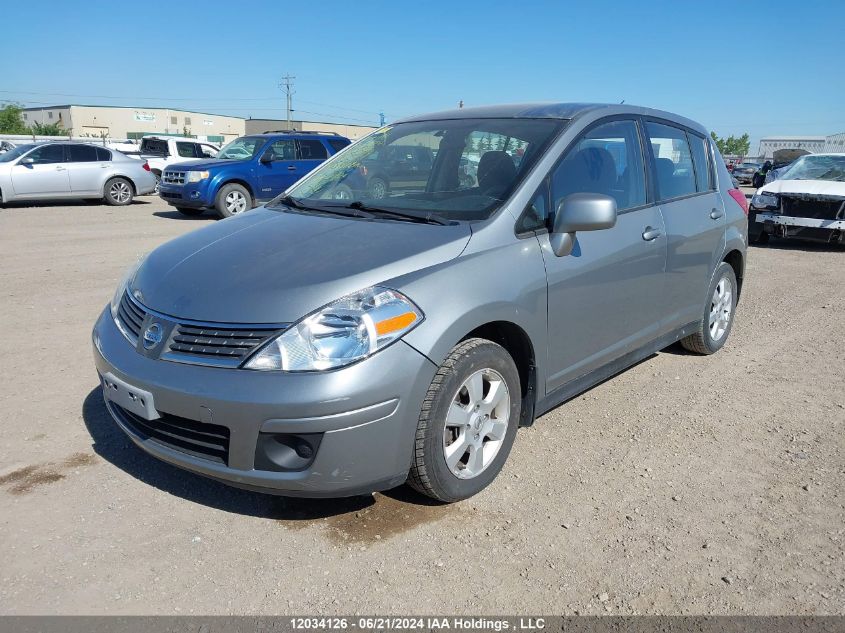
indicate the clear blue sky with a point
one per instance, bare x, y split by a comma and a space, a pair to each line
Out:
762, 67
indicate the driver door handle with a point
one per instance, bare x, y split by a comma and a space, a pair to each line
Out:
650, 234
716, 214
60, 168
292, 167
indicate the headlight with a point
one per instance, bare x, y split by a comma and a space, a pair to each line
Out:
764, 201
341, 333
196, 176
124, 282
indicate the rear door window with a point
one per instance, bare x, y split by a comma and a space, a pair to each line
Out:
701, 161
187, 150
673, 167
310, 149
82, 153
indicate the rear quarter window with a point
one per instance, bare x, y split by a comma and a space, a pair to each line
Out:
338, 144
702, 163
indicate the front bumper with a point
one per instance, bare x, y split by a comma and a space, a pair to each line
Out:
367, 414
191, 195
779, 225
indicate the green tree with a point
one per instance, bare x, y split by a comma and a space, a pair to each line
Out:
732, 146
11, 121
47, 129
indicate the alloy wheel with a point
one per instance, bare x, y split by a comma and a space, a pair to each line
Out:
721, 307
235, 202
120, 192
476, 423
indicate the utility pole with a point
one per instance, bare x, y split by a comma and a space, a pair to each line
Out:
461, 103
381, 119
287, 85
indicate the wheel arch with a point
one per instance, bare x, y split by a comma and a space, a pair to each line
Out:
518, 344
234, 181
735, 258
128, 179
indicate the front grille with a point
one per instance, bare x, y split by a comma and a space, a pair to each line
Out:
818, 208
228, 343
208, 441
173, 177
171, 196
130, 316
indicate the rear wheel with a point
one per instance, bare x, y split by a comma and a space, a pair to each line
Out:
118, 192
715, 326
190, 211
157, 175
231, 200
468, 422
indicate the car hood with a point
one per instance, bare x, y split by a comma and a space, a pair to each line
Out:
205, 163
805, 187
272, 266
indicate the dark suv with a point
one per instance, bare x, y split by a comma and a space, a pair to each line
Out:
249, 170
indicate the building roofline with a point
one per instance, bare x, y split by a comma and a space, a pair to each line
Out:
89, 105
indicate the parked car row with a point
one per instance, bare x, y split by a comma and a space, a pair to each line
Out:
397, 313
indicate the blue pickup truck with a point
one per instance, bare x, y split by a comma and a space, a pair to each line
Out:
248, 171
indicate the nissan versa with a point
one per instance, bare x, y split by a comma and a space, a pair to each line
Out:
341, 340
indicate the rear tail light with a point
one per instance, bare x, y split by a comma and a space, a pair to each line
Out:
739, 196
146, 166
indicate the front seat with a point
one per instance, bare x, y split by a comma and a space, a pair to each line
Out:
496, 173
589, 170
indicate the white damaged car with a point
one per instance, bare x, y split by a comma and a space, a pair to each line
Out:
807, 201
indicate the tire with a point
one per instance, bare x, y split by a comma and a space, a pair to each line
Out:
157, 175
377, 188
715, 326
231, 200
118, 192
481, 364
190, 211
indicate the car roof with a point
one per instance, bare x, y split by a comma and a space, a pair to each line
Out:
551, 111
296, 134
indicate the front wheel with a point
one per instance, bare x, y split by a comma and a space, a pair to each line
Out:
118, 192
718, 315
231, 200
377, 188
468, 422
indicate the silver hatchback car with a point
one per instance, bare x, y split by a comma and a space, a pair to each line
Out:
342, 340
49, 171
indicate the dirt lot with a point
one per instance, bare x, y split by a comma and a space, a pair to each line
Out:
685, 485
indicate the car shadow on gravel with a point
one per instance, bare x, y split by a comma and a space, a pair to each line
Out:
794, 244
176, 215
112, 445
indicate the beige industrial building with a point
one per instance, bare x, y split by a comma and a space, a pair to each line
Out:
352, 132
120, 122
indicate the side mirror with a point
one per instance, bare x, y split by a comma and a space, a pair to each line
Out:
580, 212
27, 161
266, 157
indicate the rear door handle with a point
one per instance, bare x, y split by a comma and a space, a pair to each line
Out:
292, 167
60, 168
715, 214
650, 234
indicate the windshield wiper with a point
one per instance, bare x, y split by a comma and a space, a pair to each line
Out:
293, 203
428, 218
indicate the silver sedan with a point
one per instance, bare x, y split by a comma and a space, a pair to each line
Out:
72, 170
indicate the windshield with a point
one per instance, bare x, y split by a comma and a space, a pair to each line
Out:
459, 169
17, 152
816, 168
241, 148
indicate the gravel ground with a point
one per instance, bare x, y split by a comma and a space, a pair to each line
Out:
685, 485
